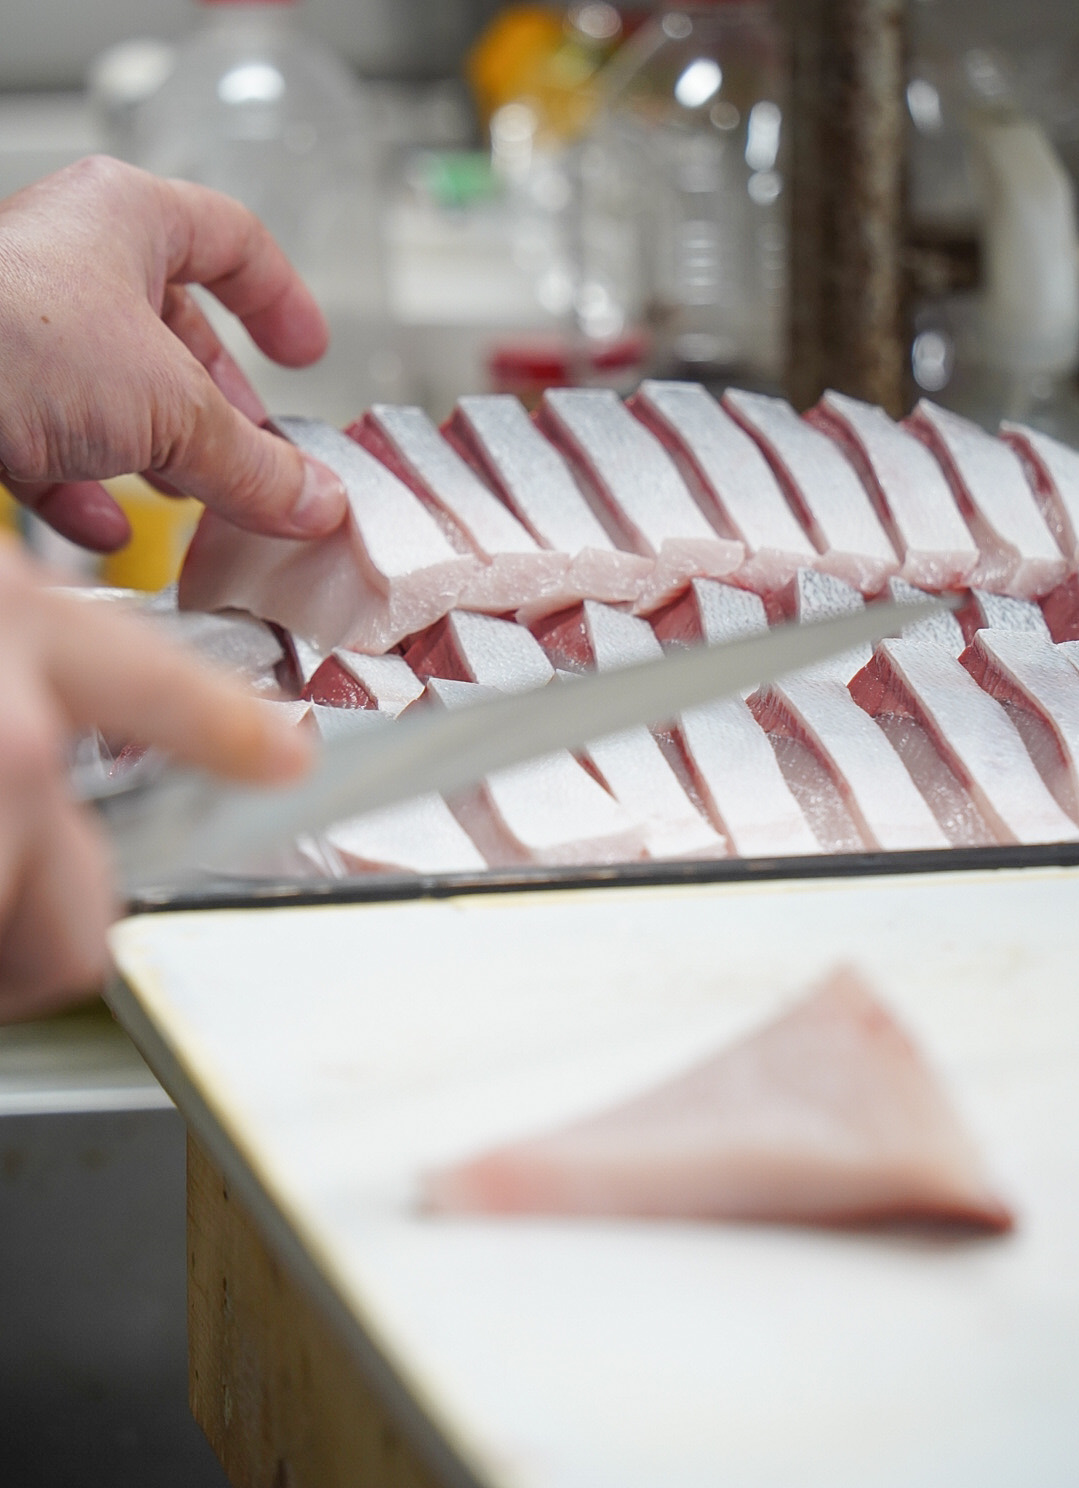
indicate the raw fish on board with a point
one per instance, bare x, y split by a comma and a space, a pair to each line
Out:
1019, 555
971, 731
732, 481
496, 436
636, 491
909, 490
822, 488
549, 810
1052, 468
516, 571
827, 1116
389, 570
350, 679
1039, 687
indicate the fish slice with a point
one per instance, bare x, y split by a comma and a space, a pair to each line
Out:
167, 830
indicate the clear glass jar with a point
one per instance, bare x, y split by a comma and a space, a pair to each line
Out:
683, 194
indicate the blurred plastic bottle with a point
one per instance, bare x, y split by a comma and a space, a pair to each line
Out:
255, 107
687, 158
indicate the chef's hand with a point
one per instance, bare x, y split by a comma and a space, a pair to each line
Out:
68, 665
108, 366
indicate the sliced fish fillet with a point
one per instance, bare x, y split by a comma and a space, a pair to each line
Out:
417, 836
736, 776
479, 648
971, 731
636, 491
889, 811
710, 612
829, 1116
730, 478
548, 811
812, 597
1040, 689
1052, 469
349, 679
388, 571
984, 611
823, 489
909, 490
631, 764
943, 628
1018, 553
516, 571
495, 435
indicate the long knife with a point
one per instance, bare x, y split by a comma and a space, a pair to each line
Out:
176, 827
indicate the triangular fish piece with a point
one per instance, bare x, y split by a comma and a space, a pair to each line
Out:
828, 1115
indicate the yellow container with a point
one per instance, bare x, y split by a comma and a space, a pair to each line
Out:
161, 528
9, 512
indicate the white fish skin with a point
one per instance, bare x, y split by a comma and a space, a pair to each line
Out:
593, 636
712, 613
984, 611
827, 1115
465, 647
1052, 471
886, 805
419, 836
516, 570
738, 779
730, 478
1018, 553
349, 680
631, 764
1028, 674
909, 490
548, 811
943, 629
822, 488
636, 491
972, 732
494, 434
388, 571
816, 596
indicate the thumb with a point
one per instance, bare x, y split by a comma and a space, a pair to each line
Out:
251, 477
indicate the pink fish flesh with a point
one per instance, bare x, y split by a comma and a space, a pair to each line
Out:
1018, 554
1052, 470
388, 571
1039, 689
549, 811
495, 435
908, 488
1061, 610
984, 611
971, 731
736, 777
516, 570
730, 478
822, 488
888, 810
593, 636
417, 836
636, 491
811, 597
828, 1115
349, 679
943, 629
709, 612
478, 648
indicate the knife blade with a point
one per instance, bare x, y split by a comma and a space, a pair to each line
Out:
173, 828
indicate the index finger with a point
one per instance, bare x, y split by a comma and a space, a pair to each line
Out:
111, 671
214, 241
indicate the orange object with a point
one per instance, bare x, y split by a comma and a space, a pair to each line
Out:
161, 528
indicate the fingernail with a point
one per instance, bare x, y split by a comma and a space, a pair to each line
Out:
322, 500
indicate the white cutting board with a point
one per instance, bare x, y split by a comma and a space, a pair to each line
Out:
331, 1054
